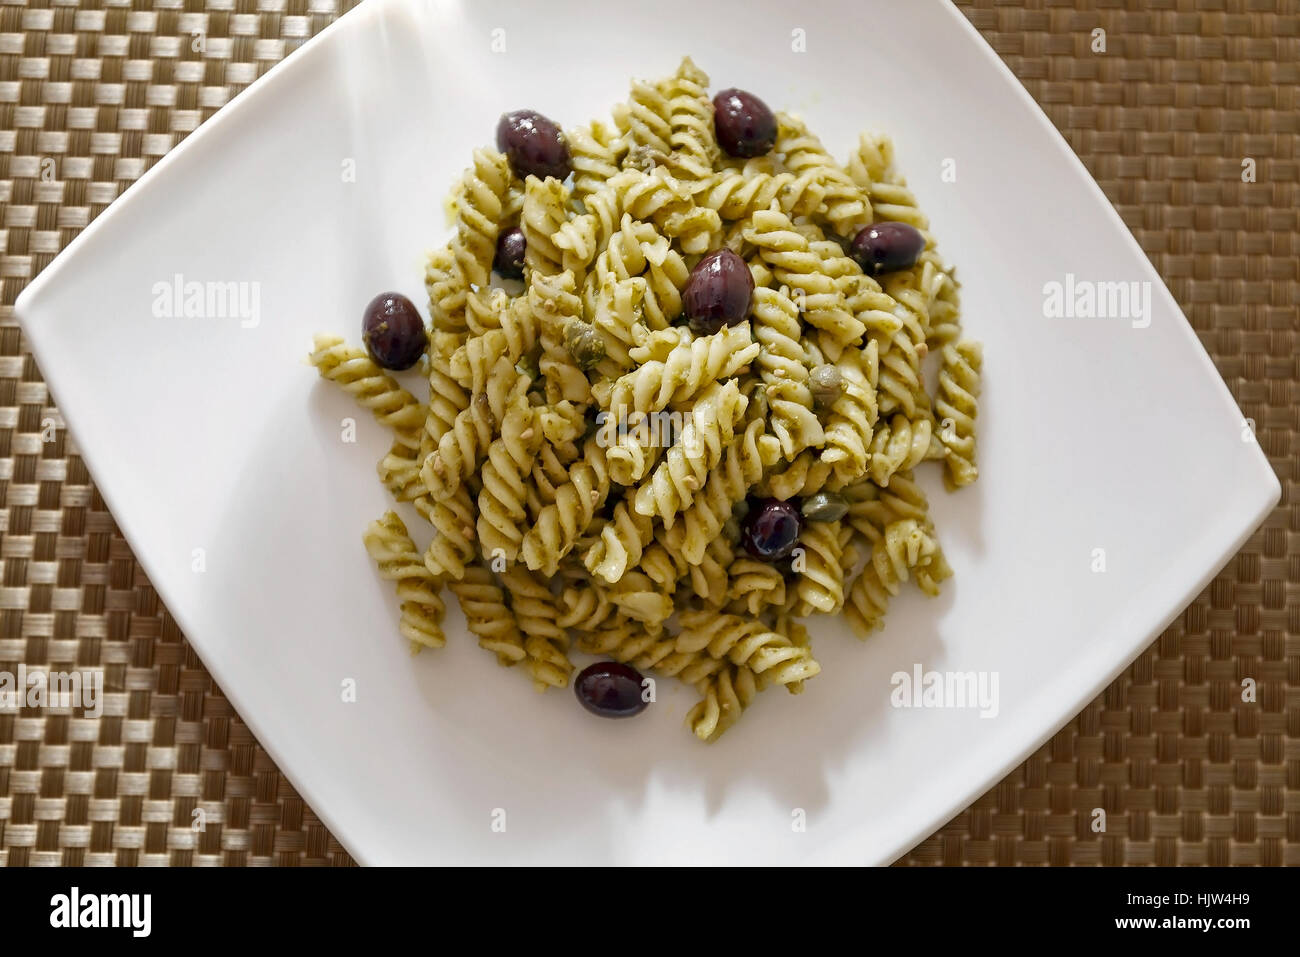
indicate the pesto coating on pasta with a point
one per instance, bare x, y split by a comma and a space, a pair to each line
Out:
590, 459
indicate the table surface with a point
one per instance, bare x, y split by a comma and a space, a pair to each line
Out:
1185, 91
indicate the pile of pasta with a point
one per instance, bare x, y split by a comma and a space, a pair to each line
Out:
560, 520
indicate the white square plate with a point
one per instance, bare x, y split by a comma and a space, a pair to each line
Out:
214, 434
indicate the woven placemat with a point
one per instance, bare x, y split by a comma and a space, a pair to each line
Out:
1184, 92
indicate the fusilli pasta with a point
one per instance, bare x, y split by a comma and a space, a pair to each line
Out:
600, 454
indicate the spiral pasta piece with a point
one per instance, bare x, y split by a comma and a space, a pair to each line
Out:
461, 449
723, 697
624, 255
636, 445
709, 429
806, 475
617, 314
916, 290
867, 164
783, 366
581, 238
635, 251
546, 644
663, 563
794, 263
901, 388
514, 335
929, 574
646, 124
945, 313
647, 649
904, 546
873, 507
738, 194
550, 473
709, 576
544, 212
849, 427
452, 546
898, 445
398, 560
501, 502
623, 540
688, 370
447, 290
847, 208
667, 202
821, 578
637, 598
955, 407
690, 116
562, 423
860, 295
483, 309
478, 215
554, 303
754, 586
399, 471
518, 334
596, 153
487, 615
726, 485
665, 277
372, 388
446, 398
849, 554
871, 305
773, 658
559, 525
585, 608
872, 168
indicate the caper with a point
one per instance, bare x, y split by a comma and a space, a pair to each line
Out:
861, 492
826, 383
527, 366
825, 507
585, 344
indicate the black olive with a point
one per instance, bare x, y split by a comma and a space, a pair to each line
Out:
718, 292
509, 260
610, 689
887, 247
393, 331
771, 529
533, 144
744, 123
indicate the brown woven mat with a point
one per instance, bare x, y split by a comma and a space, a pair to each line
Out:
91, 95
